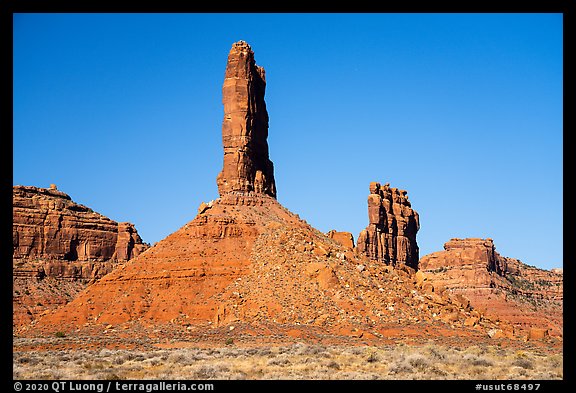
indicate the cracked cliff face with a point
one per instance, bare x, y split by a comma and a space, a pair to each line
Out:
47, 224
246, 167
390, 236
60, 247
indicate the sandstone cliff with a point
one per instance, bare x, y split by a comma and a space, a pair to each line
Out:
47, 224
59, 246
523, 297
390, 236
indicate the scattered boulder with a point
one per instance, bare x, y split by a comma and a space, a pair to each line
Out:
538, 333
346, 239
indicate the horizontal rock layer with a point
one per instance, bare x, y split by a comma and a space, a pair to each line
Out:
47, 224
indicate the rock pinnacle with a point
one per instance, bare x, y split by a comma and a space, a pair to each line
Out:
247, 167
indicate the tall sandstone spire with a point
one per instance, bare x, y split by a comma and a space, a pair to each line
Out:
247, 167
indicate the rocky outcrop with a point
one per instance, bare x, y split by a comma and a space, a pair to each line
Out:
472, 256
247, 167
523, 296
346, 239
390, 236
54, 240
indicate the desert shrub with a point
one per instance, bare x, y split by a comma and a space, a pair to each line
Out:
411, 363
260, 351
372, 357
302, 349
555, 361
355, 350
356, 375
155, 361
333, 364
251, 351
237, 375
436, 353
298, 361
136, 357
278, 361
400, 366
211, 371
477, 360
106, 353
120, 359
524, 363
183, 357
30, 361
418, 361
547, 375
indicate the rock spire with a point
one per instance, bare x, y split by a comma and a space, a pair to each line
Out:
390, 236
247, 167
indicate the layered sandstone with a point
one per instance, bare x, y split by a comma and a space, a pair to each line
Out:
247, 167
524, 297
390, 236
47, 224
59, 247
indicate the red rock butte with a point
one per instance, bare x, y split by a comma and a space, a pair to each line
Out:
526, 298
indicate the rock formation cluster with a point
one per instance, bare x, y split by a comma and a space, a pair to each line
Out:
246, 259
247, 167
390, 236
247, 264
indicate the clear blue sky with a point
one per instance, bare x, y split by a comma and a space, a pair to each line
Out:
464, 111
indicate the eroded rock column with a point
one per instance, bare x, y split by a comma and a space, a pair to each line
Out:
247, 167
390, 236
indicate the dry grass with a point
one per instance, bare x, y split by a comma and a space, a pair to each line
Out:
298, 361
